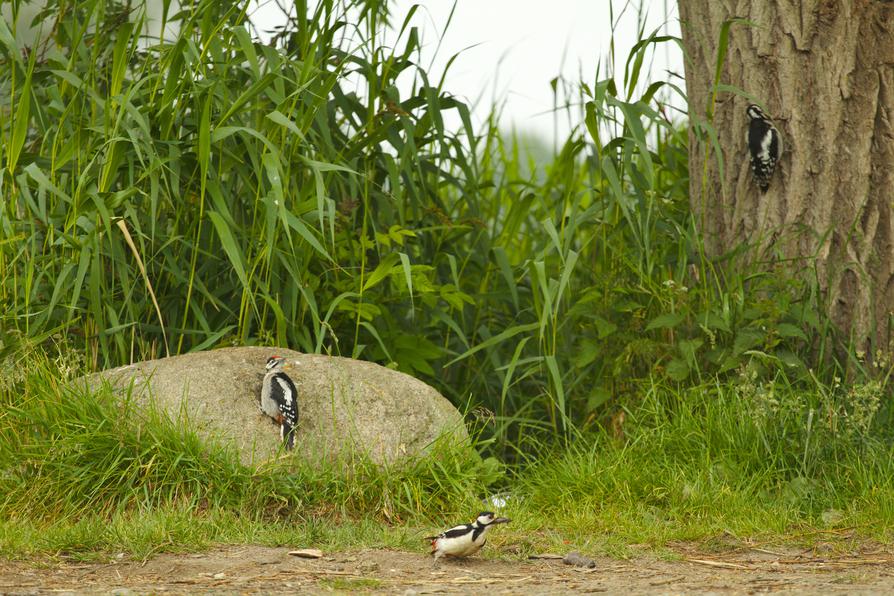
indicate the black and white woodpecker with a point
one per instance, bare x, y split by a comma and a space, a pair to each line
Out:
465, 539
764, 145
279, 399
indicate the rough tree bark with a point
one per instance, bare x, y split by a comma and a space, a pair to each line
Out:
824, 69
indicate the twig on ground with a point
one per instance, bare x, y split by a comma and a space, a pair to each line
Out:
721, 564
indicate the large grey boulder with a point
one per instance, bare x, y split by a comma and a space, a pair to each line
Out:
346, 407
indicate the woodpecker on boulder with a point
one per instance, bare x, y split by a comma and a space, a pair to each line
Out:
465, 539
279, 399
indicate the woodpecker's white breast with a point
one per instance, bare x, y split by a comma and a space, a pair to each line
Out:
460, 541
269, 404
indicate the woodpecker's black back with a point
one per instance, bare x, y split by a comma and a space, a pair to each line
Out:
285, 394
475, 528
458, 531
764, 146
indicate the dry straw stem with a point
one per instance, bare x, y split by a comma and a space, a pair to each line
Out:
133, 247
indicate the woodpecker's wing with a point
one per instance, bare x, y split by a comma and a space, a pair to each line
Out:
454, 532
286, 386
286, 395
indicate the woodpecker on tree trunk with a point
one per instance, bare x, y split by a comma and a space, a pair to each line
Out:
466, 539
279, 399
764, 145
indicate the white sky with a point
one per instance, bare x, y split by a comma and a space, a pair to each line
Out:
510, 50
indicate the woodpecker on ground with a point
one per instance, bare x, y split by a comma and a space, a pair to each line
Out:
465, 539
279, 399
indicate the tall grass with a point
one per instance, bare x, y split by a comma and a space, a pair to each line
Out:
723, 460
163, 196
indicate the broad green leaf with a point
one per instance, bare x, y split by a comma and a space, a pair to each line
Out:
120, 57
506, 272
688, 348
21, 120
305, 232
677, 369
559, 387
281, 119
747, 339
408, 276
604, 328
382, 270
7, 39
496, 339
665, 321
789, 330
205, 137
234, 254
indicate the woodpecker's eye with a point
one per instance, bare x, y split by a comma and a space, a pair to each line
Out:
485, 517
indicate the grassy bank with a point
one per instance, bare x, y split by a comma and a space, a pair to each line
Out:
165, 196
83, 476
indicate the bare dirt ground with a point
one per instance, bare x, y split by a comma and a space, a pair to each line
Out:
263, 570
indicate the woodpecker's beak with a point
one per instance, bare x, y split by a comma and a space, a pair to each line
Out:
501, 520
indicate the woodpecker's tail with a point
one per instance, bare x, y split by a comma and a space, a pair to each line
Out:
287, 432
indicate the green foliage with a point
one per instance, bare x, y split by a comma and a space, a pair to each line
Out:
81, 475
209, 189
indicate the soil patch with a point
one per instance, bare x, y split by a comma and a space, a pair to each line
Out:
251, 569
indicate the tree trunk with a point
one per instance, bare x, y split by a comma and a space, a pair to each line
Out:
824, 70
